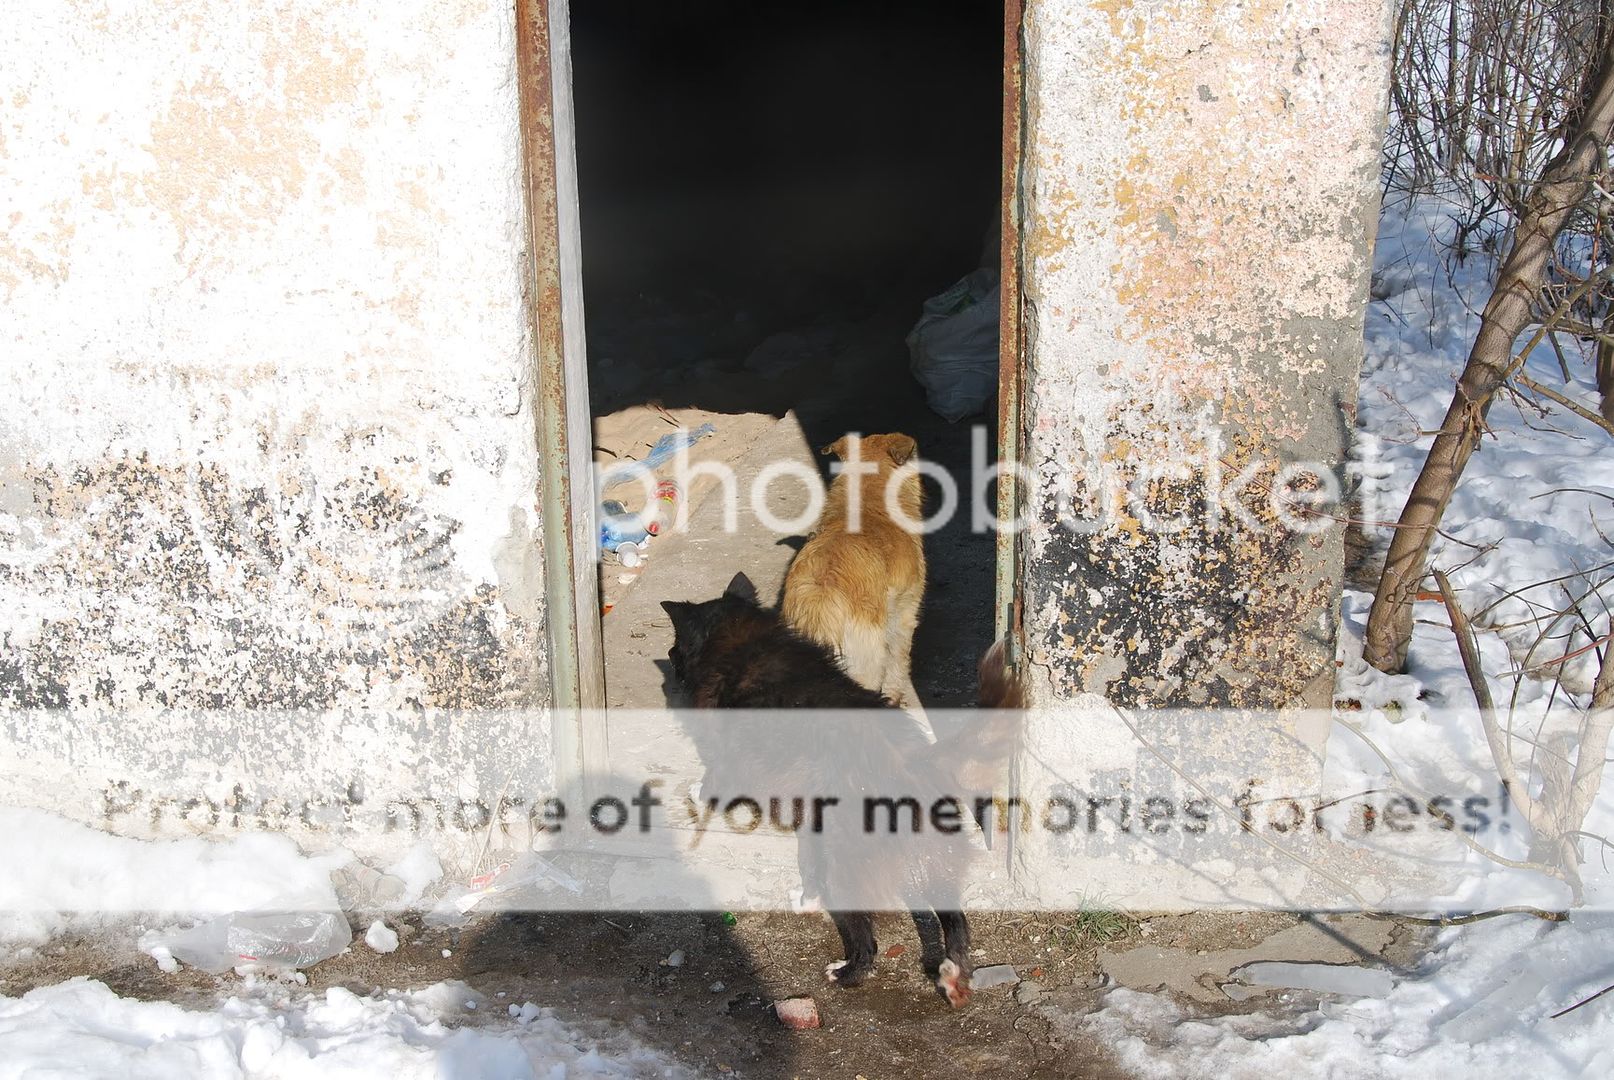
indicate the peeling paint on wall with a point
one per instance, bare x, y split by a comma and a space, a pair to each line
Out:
1200, 200
265, 354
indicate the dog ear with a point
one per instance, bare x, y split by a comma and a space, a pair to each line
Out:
741, 587
678, 611
899, 448
837, 448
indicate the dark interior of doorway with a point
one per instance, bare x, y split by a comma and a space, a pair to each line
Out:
796, 178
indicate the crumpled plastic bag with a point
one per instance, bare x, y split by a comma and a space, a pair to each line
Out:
953, 348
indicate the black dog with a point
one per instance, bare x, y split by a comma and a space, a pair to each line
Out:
731, 653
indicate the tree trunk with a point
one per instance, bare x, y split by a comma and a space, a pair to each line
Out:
1565, 181
1456, 136
1605, 378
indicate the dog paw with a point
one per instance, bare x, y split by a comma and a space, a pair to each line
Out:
840, 974
803, 904
953, 984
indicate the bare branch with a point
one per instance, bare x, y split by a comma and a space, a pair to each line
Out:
1552, 395
1501, 754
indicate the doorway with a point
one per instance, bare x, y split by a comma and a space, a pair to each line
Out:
766, 195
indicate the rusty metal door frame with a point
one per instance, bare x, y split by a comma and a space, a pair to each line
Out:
1011, 339
565, 440
1011, 378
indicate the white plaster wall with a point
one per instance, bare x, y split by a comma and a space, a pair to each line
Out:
1200, 202
264, 362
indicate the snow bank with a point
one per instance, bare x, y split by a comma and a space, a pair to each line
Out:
1479, 1007
1526, 532
60, 873
1536, 501
82, 1029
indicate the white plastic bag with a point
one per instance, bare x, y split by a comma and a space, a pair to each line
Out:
508, 881
953, 348
275, 940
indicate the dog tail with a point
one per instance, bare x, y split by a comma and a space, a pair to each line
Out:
814, 612
977, 755
1000, 684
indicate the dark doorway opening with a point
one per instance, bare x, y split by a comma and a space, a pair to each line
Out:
768, 193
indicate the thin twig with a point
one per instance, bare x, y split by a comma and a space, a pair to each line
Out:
1477, 916
1605, 639
1552, 395
1501, 753
1467, 647
1578, 1004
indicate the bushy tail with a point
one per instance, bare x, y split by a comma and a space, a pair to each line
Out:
977, 755
1000, 686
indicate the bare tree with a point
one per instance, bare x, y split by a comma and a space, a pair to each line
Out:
1565, 183
1605, 376
1482, 94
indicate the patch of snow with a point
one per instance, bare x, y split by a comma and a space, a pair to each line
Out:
381, 937
1480, 1006
61, 875
81, 1028
419, 869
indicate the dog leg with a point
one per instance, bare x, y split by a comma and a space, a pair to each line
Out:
953, 978
857, 939
862, 650
810, 863
897, 678
930, 941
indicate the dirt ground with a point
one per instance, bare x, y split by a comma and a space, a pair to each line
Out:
713, 1010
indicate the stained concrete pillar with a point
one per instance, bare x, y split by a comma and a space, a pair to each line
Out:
1199, 209
1200, 205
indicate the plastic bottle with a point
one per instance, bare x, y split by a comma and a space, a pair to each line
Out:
618, 527
667, 497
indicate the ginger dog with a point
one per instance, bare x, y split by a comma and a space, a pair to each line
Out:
857, 583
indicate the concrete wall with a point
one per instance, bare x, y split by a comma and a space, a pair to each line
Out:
269, 439
1200, 205
1200, 208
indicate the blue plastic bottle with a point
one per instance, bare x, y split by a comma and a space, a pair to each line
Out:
617, 526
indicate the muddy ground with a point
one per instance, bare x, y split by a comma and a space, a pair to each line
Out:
713, 1010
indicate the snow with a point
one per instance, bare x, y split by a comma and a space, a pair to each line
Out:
418, 870
1530, 517
61, 875
1524, 536
82, 1029
381, 937
1479, 1006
